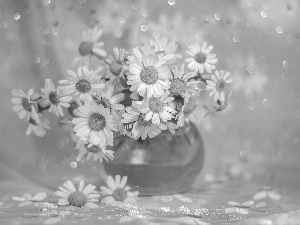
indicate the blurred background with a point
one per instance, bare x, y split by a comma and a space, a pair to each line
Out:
257, 138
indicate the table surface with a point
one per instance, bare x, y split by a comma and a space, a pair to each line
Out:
207, 202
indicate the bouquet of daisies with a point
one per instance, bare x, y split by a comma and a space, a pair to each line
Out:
138, 93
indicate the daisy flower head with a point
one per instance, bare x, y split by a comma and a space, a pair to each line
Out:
117, 191
97, 152
201, 59
94, 123
90, 46
189, 106
181, 83
243, 208
137, 126
157, 109
218, 84
83, 197
25, 105
117, 65
55, 98
28, 199
266, 191
148, 74
84, 84
165, 46
107, 98
39, 129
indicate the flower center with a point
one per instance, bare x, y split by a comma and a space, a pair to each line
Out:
142, 122
156, 105
53, 97
26, 105
77, 199
190, 106
200, 57
177, 87
116, 67
220, 85
93, 148
86, 48
149, 75
97, 122
83, 86
73, 106
33, 122
105, 103
120, 194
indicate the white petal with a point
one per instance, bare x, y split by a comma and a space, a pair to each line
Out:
88, 189
260, 195
123, 182
81, 185
62, 194
108, 200
70, 186
91, 205
63, 201
39, 196
106, 190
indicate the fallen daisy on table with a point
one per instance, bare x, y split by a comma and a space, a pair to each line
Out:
28, 199
117, 191
243, 208
266, 191
81, 197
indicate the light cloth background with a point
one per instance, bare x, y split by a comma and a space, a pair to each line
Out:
255, 142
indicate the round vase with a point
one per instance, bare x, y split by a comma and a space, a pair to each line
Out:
166, 164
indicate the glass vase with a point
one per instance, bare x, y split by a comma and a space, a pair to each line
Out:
166, 164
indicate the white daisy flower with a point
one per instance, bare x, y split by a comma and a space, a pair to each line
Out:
148, 74
117, 191
156, 109
84, 84
110, 101
162, 46
90, 46
97, 152
136, 125
266, 191
217, 85
38, 129
94, 123
55, 98
202, 58
81, 197
181, 83
25, 105
243, 208
185, 113
28, 199
116, 65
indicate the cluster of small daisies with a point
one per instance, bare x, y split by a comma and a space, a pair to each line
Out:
138, 93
